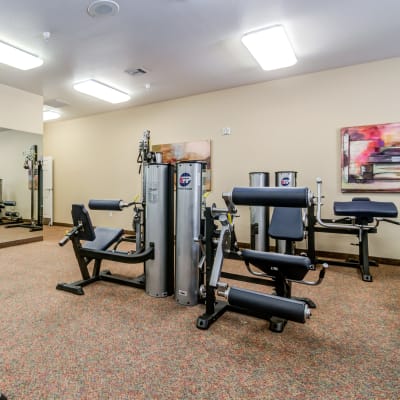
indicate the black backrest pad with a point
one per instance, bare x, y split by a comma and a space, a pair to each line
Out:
81, 216
365, 208
286, 223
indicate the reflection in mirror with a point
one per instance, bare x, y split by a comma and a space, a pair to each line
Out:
20, 187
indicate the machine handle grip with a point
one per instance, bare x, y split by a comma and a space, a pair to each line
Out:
391, 221
63, 241
69, 234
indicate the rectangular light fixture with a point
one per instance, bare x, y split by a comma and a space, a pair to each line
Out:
101, 91
49, 115
270, 47
18, 58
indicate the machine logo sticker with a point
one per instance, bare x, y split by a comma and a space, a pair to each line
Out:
185, 179
285, 181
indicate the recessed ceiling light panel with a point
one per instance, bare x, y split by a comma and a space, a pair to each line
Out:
101, 91
101, 8
270, 47
49, 115
17, 58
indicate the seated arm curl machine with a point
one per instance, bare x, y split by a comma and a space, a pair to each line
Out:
97, 247
360, 217
278, 270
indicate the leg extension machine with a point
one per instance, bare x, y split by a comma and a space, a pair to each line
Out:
277, 270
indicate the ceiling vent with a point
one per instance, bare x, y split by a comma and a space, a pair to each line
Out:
136, 71
101, 8
56, 103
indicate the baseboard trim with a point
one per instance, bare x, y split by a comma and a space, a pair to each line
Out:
21, 241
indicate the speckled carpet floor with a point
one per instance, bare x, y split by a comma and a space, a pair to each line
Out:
116, 342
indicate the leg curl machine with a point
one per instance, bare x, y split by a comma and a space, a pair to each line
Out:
360, 217
96, 248
278, 270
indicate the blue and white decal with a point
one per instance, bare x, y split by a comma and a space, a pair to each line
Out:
185, 179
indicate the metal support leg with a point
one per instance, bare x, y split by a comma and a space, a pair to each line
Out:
364, 257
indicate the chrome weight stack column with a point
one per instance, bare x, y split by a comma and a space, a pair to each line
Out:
259, 215
284, 179
159, 229
189, 183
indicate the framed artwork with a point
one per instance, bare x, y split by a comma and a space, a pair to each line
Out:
188, 151
371, 158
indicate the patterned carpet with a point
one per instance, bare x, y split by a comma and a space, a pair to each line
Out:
116, 342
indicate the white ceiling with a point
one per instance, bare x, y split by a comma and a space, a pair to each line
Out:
186, 46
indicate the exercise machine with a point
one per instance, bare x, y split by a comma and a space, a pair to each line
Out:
153, 224
35, 172
273, 269
360, 217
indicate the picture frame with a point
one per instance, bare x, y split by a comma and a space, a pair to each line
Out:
370, 158
188, 151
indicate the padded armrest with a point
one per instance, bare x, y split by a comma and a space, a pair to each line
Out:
105, 237
365, 209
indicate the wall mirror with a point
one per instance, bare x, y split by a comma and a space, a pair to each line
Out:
21, 187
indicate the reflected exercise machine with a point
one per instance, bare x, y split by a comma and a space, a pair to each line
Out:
9, 217
35, 173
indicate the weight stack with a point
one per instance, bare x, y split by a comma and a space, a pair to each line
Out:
284, 179
189, 191
259, 215
159, 229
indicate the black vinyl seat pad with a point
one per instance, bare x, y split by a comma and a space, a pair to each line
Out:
105, 237
365, 209
290, 266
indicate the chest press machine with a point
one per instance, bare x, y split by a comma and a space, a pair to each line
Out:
360, 217
275, 269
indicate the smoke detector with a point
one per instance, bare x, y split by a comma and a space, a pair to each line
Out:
101, 8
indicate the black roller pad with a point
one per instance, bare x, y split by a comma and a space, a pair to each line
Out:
278, 197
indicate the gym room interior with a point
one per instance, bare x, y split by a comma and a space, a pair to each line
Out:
186, 75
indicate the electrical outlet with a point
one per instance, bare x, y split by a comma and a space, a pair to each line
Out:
226, 131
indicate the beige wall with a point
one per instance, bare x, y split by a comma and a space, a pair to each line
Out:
20, 110
290, 124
